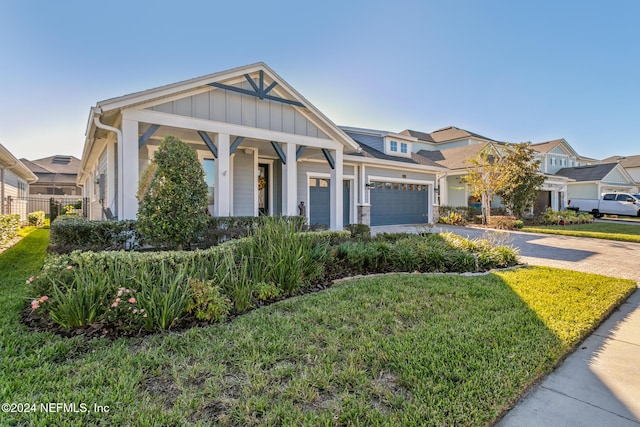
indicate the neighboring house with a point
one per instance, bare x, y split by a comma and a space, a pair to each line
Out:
15, 178
589, 182
56, 182
264, 148
630, 163
56, 176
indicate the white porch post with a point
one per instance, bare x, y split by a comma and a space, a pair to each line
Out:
289, 180
128, 171
554, 200
222, 196
336, 218
112, 167
444, 191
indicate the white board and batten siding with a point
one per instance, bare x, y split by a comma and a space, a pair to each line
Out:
615, 176
246, 110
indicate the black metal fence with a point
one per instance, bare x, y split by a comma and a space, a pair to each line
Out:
52, 206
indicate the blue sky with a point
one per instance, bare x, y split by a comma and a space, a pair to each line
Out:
513, 71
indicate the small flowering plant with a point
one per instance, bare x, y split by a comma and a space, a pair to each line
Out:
124, 310
36, 303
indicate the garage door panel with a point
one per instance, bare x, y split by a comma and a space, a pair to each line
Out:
393, 203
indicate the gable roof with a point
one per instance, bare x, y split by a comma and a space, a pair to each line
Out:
54, 164
108, 111
9, 161
422, 136
455, 158
451, 133
587, 173
625, 161
547, 146
370, 152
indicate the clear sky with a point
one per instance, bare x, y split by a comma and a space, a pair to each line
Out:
510, 70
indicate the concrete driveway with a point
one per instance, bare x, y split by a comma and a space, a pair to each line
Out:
599, 383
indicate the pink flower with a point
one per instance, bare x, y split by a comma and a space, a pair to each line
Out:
44, 298
135, 311
69, 267
120, 292
118, 300
115, 304
35, 305
132, 300
30, 279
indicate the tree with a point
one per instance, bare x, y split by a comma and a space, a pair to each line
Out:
485, 179
522, 178
172, 195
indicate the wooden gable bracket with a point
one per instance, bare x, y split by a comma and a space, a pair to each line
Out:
235, 144
258, 91
330, 160
299, 151
279, 152
147, 134
209, 143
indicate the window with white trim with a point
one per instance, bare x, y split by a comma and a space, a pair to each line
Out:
393, 146
403, 147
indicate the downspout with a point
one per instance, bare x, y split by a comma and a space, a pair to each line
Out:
2, 189
96, 120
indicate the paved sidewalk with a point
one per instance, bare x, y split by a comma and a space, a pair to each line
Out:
599, 383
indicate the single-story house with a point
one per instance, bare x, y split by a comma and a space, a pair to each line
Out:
589, 182
56, 176
630, 163
15, 178
265, 150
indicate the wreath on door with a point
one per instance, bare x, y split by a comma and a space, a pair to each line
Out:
261, 182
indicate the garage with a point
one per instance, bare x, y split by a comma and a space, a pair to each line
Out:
320, 201
399, 203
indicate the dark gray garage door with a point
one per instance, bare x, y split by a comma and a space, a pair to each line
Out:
393, 203
320, 201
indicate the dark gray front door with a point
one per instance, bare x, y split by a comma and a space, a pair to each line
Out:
394, 203
319, 201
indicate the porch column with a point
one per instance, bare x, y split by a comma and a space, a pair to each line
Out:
336, 217
364, 207
443, 191
222, 192
290, 181
128, 171
554, 200
110, 186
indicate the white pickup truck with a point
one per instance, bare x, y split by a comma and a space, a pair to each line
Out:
608, 204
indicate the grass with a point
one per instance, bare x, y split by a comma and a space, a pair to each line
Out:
402, 349
598, 230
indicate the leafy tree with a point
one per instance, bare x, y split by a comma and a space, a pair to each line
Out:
172, 195
485, 178
522, 178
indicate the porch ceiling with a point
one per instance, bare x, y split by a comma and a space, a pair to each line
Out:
192, 138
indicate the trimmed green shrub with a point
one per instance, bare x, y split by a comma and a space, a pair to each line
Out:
502, 222
359, 231
9, 226
36, 218
173, 196
71, 232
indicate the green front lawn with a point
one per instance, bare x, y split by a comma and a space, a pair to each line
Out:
404, 349
598, 230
